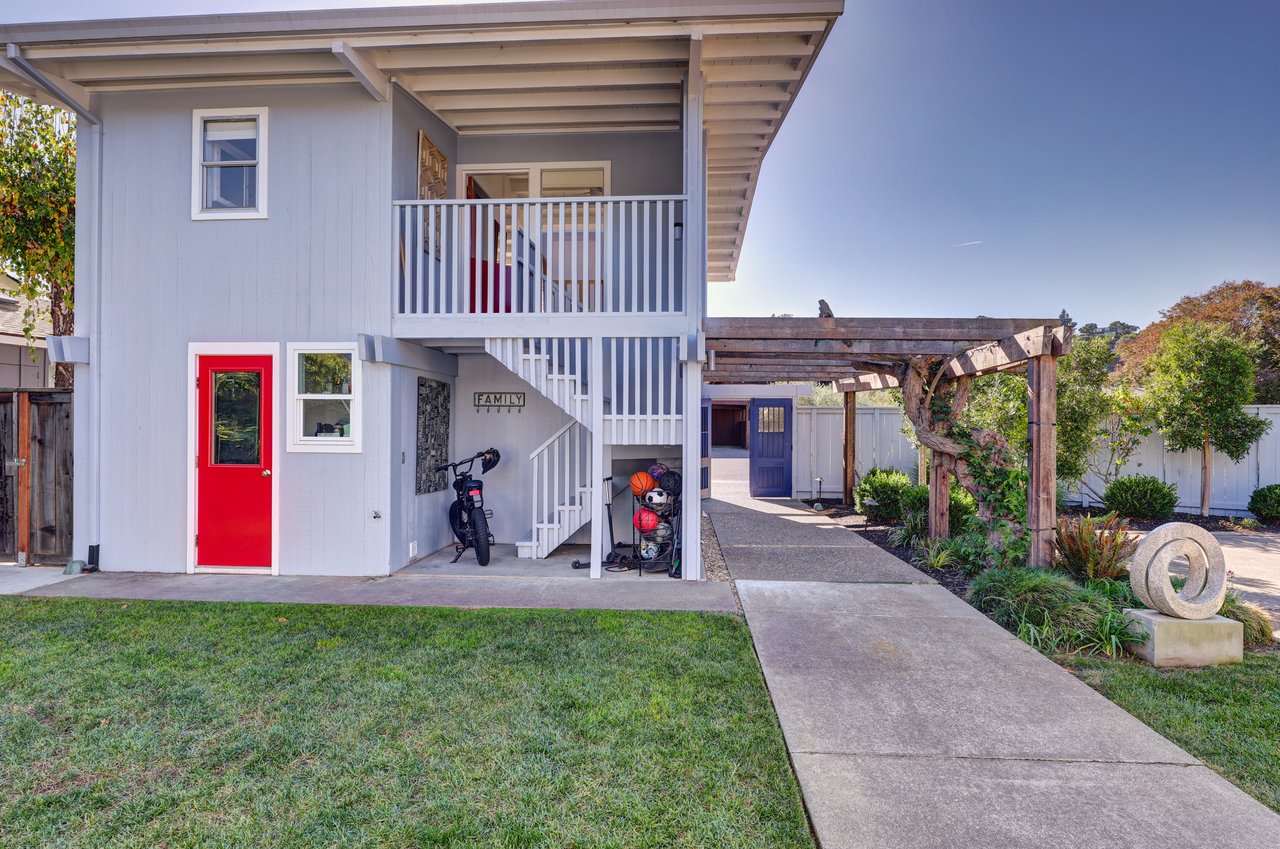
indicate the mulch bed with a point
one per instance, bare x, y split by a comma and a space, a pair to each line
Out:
1209, 523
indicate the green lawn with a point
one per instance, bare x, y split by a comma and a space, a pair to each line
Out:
1228, 716
249, 725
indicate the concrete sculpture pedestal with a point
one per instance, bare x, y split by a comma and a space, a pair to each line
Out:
1184, 629
1187, 642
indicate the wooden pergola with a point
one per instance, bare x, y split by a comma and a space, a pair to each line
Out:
862, 354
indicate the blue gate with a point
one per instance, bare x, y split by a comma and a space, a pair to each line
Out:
771, 448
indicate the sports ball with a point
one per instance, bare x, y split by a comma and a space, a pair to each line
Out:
645, 520
670, 481
662, 533
649, 549
658, 470
642, 482
657, 500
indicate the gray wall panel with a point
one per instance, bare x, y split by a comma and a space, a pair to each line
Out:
315, 270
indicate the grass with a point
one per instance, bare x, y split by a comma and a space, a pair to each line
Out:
1228, 716
176, 724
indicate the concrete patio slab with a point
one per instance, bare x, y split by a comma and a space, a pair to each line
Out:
955, 803
799, 529
15, 579
652, 592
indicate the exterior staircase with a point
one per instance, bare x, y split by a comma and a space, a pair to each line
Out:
556, 368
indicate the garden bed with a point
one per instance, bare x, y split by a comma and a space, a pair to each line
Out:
155, 723
1210, 523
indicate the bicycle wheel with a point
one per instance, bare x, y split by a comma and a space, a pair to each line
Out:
458, 523
480, 531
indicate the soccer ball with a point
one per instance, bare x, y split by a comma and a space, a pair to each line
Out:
662, 533
657, 500
649, 550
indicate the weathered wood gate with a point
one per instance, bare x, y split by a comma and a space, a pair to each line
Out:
35, 491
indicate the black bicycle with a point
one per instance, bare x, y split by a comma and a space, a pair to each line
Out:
467, 516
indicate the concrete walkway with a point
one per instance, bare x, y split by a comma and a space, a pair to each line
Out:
17, 579
914, 721
1254, 560
620, 592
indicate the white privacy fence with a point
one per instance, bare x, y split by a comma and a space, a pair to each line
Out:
818, 448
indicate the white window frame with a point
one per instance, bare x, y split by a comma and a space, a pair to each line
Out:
299, 442
535, 170
198, 117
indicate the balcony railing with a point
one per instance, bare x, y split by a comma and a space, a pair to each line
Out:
602, 256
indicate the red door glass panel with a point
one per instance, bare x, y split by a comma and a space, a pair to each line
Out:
234, 461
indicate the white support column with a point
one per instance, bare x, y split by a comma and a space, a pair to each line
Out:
695, 256
595, 376
86, 439
691, 517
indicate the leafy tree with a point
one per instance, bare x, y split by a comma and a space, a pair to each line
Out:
1198, 382
1250, 309
999, 402
1121, 433
38, 209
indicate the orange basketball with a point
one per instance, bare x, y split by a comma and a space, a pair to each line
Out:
642, 482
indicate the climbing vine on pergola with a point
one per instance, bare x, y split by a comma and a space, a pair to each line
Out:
933, 361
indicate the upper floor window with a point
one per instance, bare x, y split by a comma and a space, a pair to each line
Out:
229, 166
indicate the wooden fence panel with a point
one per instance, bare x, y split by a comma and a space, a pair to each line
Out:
35, 491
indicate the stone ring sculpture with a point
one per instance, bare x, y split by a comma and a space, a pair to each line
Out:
1206, 587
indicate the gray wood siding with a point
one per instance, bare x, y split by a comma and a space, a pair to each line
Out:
408, 116
315, 270
414, 518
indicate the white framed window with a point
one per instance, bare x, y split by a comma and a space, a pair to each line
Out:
229, 163
324, 398
550, 180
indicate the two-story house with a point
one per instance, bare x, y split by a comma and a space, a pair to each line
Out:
320, 253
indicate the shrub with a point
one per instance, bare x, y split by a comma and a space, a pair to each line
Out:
1265, 503
963, 506
969, 550
1141, 496
1093, 547
913, 530
936, 554
879, 494
1258, 627
915, 498
1051, 612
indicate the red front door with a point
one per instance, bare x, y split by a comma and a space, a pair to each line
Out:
233, 461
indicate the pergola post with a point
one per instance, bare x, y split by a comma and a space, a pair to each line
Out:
1042, 477
850, 444
939, 499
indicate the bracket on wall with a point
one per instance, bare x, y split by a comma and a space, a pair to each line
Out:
68, 349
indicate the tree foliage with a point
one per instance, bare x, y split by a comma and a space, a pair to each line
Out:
1250, 309
999, 402
38, 208
1198, 382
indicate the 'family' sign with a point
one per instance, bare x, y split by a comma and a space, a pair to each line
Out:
499, 401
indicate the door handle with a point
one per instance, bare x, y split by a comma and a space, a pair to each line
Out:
266, 473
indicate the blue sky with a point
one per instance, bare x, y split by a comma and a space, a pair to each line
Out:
1002, 157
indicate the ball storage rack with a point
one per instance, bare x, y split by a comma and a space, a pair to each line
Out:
668, 559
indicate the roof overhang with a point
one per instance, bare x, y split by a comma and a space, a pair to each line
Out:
546, 67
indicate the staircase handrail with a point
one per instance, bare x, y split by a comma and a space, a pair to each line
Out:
559, 433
